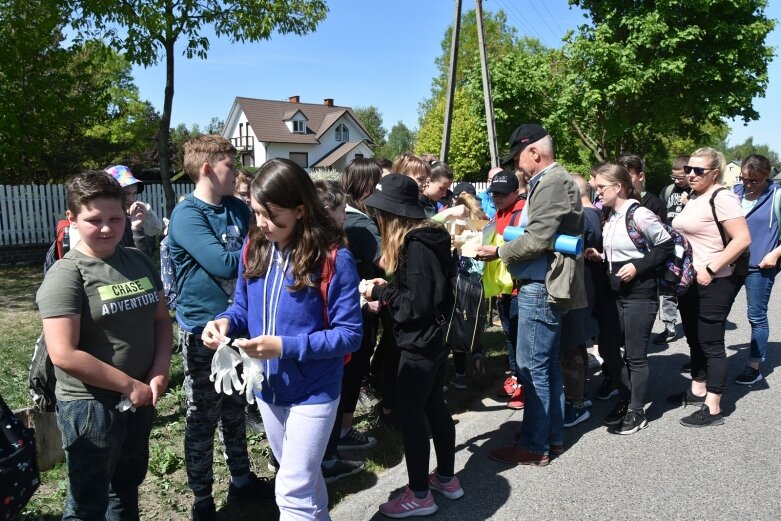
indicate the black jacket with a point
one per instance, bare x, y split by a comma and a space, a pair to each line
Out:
654, 203
420, 296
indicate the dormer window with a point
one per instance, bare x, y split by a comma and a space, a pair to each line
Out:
299, 126
342, 134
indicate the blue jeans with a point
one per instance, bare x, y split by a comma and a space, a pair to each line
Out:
507, 306
539, 334
759, 284
107, 453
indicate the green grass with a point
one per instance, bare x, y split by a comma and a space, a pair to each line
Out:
165, 494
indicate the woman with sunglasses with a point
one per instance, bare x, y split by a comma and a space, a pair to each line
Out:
761, 201
705, 306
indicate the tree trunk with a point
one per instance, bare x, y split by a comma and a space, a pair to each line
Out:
165, 128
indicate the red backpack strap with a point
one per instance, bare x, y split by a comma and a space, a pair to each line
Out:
515, 218
62, 229
329, 267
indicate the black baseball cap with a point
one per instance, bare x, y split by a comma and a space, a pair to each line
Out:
523, 136
465, 186
504, 182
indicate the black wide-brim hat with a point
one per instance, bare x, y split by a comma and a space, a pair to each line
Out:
398, 195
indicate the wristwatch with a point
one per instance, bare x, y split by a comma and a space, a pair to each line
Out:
710, 271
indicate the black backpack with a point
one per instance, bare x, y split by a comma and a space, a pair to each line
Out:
18, 467
41, 379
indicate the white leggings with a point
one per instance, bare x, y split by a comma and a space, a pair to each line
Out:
298, 436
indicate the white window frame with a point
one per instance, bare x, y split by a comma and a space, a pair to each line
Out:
299, 126
342, 133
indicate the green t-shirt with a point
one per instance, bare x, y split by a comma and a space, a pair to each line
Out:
117, 299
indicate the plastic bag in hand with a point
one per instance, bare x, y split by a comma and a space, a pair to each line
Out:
253, 376
224, 373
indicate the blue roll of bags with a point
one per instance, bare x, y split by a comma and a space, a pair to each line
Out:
567, 244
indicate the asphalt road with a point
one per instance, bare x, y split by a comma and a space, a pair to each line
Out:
666, 471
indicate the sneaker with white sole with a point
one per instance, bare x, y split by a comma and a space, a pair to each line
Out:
634, 421
574, 415
748, 376
458, 381
407, 505
606, 390
451, 490
341, 468
356, 440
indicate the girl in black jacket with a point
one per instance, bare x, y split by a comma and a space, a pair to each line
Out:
417, 252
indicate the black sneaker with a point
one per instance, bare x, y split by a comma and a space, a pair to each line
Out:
355, 440
633, 422
258, 488
616, 416
665, 337
686, 368
606, 390
685, 398
702, 418
340, 469
254, 421
748, 376
204, 510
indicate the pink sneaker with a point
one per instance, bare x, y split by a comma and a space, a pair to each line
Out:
451, 490
508, 386
407, 505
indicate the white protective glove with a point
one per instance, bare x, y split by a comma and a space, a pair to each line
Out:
253, 376
224, 373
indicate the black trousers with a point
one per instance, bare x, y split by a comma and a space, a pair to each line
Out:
704, 311
420, 400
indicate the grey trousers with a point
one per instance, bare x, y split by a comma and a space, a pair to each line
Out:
668, 310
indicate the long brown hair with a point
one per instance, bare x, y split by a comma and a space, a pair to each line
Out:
393, 229
358, 181
615, 174
470, 201
285, 184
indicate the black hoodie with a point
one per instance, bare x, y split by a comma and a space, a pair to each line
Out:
420, 297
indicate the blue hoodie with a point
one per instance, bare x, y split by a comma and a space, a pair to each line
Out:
310, 368
762, 223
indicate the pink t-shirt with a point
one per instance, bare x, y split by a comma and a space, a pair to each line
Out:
696, 223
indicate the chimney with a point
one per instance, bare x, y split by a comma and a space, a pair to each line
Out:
328, 102
294, 99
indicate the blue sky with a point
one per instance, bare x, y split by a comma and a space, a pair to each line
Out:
381, 53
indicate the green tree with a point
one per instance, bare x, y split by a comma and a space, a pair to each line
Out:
400, 139
643, 70
469, 156
148, 30
61, 109
748, 147
371, 118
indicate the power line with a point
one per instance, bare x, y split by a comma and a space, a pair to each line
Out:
543, 18
517, 17
553, 18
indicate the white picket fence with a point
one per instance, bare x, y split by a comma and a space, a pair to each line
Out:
29, 213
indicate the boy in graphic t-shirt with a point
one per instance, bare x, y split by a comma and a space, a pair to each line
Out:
109, 337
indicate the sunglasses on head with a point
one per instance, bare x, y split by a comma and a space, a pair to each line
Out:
697, 170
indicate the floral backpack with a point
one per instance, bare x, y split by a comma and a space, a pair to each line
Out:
678, 272
18, 467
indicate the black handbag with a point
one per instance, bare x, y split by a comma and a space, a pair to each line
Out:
468, 319
18, 467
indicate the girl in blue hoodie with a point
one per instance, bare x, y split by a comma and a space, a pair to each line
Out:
417, 251
301, 338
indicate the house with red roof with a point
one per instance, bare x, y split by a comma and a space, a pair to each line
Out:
314, 135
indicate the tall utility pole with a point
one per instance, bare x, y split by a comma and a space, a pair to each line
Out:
451, 84
493, 147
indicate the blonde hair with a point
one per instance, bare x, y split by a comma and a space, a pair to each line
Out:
205, 149
470, 201
716, 158
393, 230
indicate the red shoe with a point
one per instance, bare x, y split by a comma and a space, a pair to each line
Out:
516, 455
516, 402
508, 387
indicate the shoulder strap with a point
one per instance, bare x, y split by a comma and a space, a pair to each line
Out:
633, 230
326, 275
515, 218
716, 217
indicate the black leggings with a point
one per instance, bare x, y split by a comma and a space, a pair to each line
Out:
420, 398
704, 311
